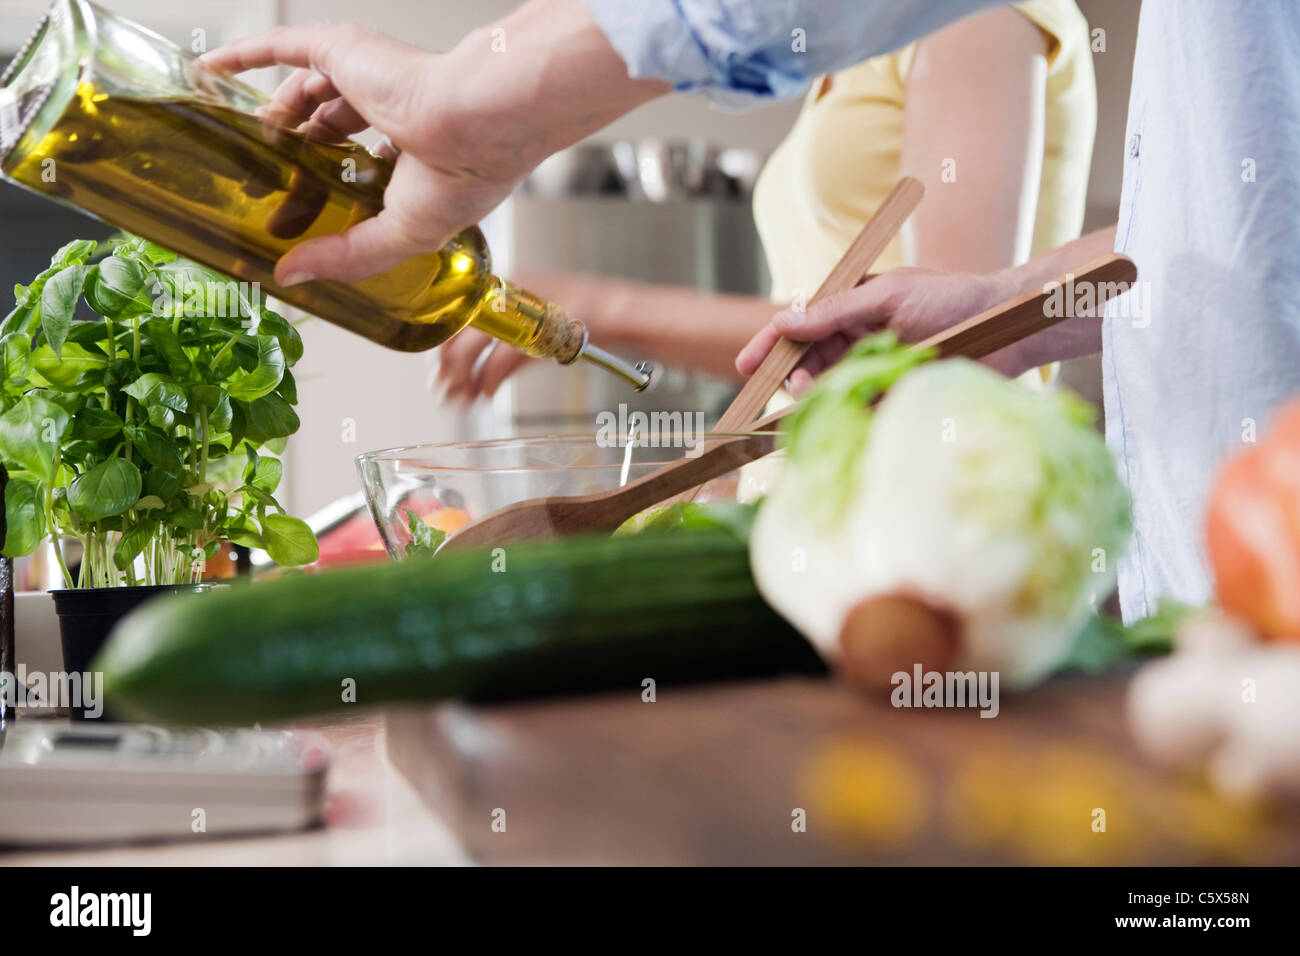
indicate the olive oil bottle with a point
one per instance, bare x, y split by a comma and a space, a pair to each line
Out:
108, 117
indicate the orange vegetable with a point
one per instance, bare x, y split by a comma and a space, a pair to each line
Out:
1253, 532
447, 520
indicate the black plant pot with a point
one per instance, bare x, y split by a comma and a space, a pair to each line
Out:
86, 615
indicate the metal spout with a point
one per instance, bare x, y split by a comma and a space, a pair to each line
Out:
638, 376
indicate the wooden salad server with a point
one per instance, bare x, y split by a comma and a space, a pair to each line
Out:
976, 337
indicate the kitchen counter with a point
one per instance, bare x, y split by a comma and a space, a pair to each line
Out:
795, 770
372, 818
808, 771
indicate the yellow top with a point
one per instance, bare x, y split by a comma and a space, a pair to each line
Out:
842, 156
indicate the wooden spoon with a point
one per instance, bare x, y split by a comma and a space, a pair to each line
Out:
976, 337
848, 272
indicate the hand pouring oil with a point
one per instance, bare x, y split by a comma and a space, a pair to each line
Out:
118, 122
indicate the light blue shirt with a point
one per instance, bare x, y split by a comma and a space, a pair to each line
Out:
1196, 361
737, 51
1210, 212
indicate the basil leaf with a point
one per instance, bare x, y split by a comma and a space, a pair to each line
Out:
242, 530
163, 482
187, 518
272, 323
94, 423
269, 417
425, 541
288, 388
132, 543
116, 288
289, 541
21, 319
156, 448
160, 416
137, 247
77, 251
108, 489
220, 417
160, 335
16, 349
67, 371
31, 433
267, 474
155, 390
265, 377
24, 517
59, 302
205, 394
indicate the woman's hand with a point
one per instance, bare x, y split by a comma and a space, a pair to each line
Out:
465, 372
915, 303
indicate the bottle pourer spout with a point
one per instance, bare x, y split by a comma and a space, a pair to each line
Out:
638, 375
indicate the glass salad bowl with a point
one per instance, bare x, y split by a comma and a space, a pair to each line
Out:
447, 486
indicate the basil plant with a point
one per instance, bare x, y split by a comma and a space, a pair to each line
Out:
143, 433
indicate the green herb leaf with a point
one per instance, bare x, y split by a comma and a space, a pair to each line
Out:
94, 423
289, 541
31, 433
132, 543
109, 488
58, 303
159, 333
164, 483
269, 417
22, 318
241, 530
156, 447
272, 323
77, 251
425, 541
264, 377
24, 517
187, 518
266, 475
140, 248
68, 370
220, 417
288, 388
16, 353
116, 288
155, 390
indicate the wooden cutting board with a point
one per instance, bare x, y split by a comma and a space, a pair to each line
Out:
726, 773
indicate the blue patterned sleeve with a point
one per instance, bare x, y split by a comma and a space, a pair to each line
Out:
739, 51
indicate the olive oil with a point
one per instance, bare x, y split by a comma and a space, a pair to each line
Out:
219, 185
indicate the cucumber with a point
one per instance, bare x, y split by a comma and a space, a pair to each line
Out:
561, 616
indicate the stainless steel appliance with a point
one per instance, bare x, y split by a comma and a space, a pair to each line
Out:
675, 213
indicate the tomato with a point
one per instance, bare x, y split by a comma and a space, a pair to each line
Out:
1253, 532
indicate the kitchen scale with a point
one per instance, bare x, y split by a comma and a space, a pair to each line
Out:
66, 783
